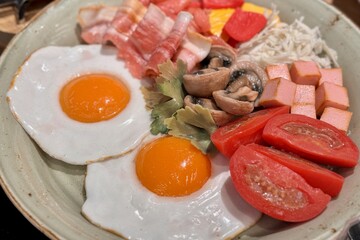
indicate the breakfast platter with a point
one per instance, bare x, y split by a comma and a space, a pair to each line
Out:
73, 175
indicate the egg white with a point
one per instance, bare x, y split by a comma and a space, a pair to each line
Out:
117, 201
34, 101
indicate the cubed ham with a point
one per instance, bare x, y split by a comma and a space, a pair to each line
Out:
304, 101
333, 75
305, 94
337, 117
278, 92
304, 109
278, 70
331, 95
305, 72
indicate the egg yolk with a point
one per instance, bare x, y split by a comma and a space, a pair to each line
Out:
94, 97
171, 166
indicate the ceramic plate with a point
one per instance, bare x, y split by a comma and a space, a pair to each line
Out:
50, 193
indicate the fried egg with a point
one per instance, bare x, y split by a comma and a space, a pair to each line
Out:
80, 104
166, 189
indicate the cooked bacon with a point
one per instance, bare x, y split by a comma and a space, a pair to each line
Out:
144, 36
194, 49
94, 22
151, 30
129, 14
168, 47
171, 8
201, 21
133, 60
92, 15
125, 21
216, 40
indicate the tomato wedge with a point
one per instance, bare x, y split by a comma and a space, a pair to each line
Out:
242, 26
273, 188
244, 130
312, 139
315, 175
222, 3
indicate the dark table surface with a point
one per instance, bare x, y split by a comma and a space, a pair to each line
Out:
15, 226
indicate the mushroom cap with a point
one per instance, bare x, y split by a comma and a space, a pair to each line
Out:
225, 56
240, 102
253, 72
220, 117
203, 82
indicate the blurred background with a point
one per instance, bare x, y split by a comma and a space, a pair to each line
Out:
14, 226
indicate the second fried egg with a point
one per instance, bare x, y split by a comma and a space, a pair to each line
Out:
166, 189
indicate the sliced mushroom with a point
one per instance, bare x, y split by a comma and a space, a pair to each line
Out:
238, 82
253, 72
240, 102
203, 82
220, 117
221, 56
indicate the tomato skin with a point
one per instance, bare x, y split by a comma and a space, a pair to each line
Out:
245, 130
195, 4
318, 177
289, 198
214, 4
315, 140
242, 25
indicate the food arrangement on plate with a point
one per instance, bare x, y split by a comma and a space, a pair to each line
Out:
193, 118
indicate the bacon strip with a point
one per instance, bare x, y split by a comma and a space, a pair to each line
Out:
125, 21
168, 47
171, 8
94, 22
194, 49
151, 30
144, 36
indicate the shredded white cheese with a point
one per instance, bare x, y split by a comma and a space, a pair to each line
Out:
285, 43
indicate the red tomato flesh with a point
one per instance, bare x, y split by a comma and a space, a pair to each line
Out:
244, 130
273, 188
312, 139
318, 177
222, 3
242, 26
195, 4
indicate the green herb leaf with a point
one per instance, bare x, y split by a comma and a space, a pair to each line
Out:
193, 124
159, 113
170, 80
169, 87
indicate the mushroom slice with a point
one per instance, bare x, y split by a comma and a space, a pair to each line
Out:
254, 73
240, 102
220, 117
221, 56
203, 82
238, 82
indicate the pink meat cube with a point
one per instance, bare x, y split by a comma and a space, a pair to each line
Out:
305, 94
331, 95
304, 109
337, 117
278, 92
278, 70
305, 72
333, 75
